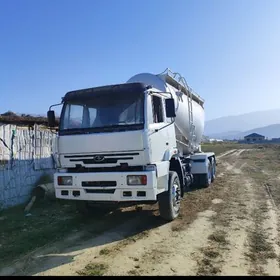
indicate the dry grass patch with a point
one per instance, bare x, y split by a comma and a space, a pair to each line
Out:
218, 236
210, 252
260, 248
206, 268
105, 251
199, 200
94, 269
133, 272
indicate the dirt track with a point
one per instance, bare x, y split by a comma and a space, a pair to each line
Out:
231, 228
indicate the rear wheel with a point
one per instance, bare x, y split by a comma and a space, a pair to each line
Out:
170, 201
213, 170
208, 176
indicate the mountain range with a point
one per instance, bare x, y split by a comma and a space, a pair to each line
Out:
266, 123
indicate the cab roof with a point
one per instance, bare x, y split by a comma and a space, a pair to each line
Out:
117, 88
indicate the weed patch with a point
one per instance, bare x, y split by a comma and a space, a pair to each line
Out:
206, 268
94, 269
104, 251
218, 237
210, 252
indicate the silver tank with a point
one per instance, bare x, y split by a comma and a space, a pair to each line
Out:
166, 83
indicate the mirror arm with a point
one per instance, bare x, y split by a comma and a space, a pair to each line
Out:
55, 105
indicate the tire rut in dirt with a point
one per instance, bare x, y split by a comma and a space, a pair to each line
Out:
224, 246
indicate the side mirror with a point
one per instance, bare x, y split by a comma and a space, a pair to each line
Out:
170, 108
51, 118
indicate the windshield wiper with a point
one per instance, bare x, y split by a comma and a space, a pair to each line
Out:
121, 126
73, 131
98, 129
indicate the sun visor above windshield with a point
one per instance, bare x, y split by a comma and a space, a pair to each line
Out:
78, 95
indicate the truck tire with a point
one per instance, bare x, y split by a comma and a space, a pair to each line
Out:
213, 170
170, 201
208, 176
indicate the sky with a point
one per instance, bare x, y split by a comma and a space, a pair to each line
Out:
228, 50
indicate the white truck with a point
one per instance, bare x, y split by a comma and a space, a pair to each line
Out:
136, 142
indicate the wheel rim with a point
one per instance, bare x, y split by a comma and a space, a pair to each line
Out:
176, 196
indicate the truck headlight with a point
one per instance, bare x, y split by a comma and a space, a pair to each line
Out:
64, 180
137, 180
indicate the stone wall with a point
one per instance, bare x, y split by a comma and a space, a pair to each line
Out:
25, 155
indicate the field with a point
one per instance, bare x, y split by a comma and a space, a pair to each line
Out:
230, 228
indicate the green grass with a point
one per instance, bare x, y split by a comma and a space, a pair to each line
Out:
218, 148
50, 221
21, 234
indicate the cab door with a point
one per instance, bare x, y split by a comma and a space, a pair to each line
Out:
159, 136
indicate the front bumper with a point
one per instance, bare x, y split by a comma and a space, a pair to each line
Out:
117, 189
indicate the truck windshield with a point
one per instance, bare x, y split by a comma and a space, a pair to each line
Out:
103, 112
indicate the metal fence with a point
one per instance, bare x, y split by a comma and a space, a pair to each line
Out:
25, 155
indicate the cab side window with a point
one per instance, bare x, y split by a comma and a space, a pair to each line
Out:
157, 109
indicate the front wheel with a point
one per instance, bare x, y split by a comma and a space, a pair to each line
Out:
170, 201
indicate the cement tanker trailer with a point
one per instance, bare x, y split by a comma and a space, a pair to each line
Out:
132, 143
